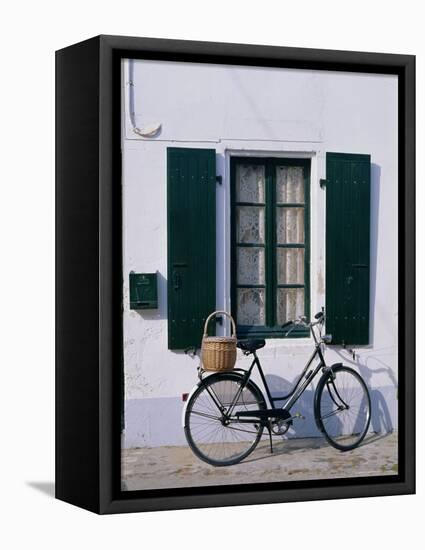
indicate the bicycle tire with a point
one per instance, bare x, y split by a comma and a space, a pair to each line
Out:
333, 422
226, 438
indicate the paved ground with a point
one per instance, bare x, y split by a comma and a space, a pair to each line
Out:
293, 459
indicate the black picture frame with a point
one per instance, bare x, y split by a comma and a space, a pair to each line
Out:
89, 277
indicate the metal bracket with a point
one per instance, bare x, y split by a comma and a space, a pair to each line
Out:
322, 183
219, 180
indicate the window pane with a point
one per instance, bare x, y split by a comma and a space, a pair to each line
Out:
290, 225
289, 184
290, 266
250, 224
290, 304
250, 266
251, 308
250, 183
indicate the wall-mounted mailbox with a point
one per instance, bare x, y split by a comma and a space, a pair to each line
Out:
143, 291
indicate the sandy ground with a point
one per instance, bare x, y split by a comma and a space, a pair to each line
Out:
293, 459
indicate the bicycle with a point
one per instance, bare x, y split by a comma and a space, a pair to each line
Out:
226, 413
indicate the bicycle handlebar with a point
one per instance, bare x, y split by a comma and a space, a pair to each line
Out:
303, 321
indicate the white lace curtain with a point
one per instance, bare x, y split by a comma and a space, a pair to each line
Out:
251, 230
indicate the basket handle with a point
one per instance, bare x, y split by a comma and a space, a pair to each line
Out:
219, 313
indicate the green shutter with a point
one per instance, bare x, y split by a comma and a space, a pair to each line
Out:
191, 244
347, 247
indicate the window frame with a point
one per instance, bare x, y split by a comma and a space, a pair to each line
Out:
270, 246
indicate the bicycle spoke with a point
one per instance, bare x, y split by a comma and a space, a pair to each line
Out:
218, 439
323, 417
206, 415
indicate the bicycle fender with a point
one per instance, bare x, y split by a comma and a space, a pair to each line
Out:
322, 381
193, 390
333, 366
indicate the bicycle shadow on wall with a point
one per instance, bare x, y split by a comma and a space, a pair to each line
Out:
381, 422
301, 429
303, 434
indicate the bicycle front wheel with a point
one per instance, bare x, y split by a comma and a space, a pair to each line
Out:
342, 408
212, 429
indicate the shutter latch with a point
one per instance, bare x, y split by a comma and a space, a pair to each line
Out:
219, 180
322, 183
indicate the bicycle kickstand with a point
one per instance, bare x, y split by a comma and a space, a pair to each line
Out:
269, 427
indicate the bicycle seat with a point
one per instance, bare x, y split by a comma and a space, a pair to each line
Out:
251, 345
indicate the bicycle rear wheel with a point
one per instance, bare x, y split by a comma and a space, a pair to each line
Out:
214, 436
342, 408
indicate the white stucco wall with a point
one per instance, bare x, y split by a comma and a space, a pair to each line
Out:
252, 111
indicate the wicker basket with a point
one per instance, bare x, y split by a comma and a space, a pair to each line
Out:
218, 352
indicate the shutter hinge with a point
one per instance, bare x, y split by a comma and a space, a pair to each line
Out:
219, 179
322, 183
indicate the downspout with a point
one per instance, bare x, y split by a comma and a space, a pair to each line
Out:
150, 130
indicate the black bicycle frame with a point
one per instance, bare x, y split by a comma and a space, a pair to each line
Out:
298, 388
292, 397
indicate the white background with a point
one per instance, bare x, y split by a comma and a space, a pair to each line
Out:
29, 34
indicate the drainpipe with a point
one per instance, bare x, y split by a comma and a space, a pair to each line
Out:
149, 130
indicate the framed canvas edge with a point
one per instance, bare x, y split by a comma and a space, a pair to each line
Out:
112, 48
263, 496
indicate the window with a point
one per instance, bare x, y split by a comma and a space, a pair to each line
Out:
270, 244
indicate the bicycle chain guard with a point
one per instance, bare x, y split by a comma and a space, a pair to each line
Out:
281, 426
